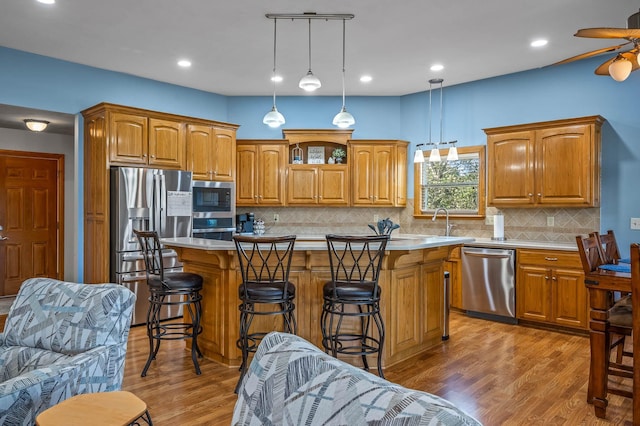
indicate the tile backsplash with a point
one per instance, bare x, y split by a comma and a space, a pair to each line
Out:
519, 224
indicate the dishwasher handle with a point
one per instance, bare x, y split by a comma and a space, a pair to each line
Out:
486, 254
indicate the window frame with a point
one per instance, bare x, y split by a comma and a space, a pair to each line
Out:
482, 177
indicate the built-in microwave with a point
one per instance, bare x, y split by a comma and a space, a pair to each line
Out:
214, 210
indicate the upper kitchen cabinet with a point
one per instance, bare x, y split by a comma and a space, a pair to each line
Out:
551, 164
261, 166
211, 152
379, 174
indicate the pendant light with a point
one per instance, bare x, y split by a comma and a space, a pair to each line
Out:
343, 119
273, 118
309, 82
434, 157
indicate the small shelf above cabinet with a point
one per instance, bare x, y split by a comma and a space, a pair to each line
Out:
317, 147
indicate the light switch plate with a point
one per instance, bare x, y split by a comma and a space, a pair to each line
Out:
488, 220
550, 221
635, 223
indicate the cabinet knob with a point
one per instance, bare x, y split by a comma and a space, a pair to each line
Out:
554, 278
144, 155
546, 277
153, 156
530, 195
260, 196
539, 194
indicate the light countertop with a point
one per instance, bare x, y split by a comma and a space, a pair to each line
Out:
520, 244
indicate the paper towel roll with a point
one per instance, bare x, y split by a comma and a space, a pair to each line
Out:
498, 227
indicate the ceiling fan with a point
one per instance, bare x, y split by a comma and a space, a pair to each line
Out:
620, 66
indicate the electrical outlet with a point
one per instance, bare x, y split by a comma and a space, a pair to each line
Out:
276, 217
488, 220
635, 223
550, 221
376, 218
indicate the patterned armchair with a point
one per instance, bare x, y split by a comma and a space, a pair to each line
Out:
291, 382
61, 339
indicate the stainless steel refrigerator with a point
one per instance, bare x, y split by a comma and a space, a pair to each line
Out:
146, 199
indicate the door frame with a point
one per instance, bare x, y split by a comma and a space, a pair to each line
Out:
59, 159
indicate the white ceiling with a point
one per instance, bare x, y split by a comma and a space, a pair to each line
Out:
231, 42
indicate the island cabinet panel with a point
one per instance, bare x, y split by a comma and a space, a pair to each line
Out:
260, 173
555, 163
412, 300
550, 288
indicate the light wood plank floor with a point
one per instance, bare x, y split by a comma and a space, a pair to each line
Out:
500, 374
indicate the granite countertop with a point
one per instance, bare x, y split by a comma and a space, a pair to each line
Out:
516, 244
318, 242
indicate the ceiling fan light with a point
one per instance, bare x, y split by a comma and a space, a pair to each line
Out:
309, 82
273, 118
418, 157
620, 68
36, 125
434, 157
343, 119
453, 154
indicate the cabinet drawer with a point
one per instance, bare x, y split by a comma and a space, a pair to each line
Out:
550, 258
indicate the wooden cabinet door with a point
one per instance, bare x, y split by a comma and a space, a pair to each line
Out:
302, 185
223, 155
271, 165
401, 176
128, 139
167, 146
405, 306
510, 171
199, 148
332, 185
362, 163
383, 176
247, 169
532, 293
569, 296
565, 166
432, 276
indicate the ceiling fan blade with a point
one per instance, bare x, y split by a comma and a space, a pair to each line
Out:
631, 55
609, 33
592, 53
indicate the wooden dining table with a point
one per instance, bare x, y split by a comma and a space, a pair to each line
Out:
601, 285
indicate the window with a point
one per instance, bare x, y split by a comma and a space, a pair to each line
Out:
457, 185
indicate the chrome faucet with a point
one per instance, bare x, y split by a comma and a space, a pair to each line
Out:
448, 226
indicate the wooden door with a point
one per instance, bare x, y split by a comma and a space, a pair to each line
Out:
565, 166
332, 185
128, 139
167, 146
532, 293
569, 295
224, 155
271, 165
199, 147
510, 173
302, 185
383, 176
31, 200
363, 175
401, 176
247, 182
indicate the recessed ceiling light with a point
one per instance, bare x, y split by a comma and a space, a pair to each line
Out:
539, 43
184, 63
276, 78
437, 67
366, 78
47, 1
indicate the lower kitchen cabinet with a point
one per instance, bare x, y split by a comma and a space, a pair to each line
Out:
453, 266
550, 288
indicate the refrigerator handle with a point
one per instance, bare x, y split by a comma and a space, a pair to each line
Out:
163, 205
155, 204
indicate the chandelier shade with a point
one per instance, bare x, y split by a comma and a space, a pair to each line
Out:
274, 118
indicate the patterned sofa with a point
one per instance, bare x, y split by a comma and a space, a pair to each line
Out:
61, 339
292, 382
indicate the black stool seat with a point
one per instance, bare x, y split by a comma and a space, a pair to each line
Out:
169, 289
264, 263
176, 281
351, 300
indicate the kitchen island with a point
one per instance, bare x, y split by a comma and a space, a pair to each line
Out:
411, 280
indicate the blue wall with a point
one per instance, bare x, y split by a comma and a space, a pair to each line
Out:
549, 93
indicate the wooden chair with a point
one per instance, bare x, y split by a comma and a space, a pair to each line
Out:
620, 323
609, 252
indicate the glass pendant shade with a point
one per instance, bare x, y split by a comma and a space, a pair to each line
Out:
309, 82
273, 118
620, 69
434, 157
343, 119
418, 157
453, 154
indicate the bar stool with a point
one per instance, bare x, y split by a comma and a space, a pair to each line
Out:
169, 289
353, 292
264, 263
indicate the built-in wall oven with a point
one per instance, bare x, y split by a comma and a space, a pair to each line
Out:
214, 210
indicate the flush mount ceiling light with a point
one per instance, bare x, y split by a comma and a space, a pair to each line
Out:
47, 1
184, 63
343, 119
36, 125
273, 118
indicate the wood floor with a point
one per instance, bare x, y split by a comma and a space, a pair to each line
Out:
500, 374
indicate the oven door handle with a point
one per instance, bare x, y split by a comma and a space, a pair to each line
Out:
204, 230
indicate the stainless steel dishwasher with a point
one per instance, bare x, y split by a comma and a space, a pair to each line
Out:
488, 283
